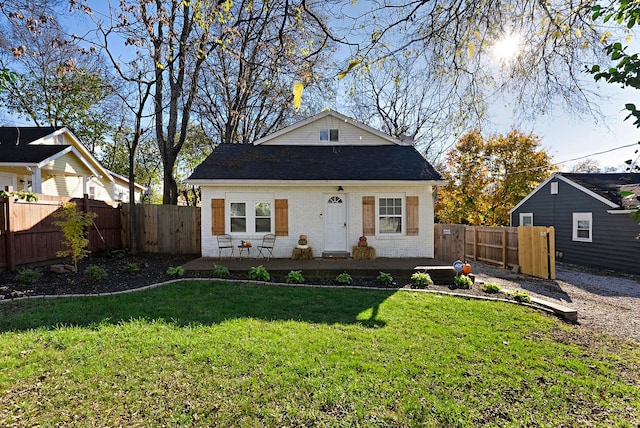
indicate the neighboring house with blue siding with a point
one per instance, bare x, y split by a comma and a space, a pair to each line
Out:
592, 221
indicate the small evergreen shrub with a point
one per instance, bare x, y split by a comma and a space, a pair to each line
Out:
344, 278
28, 276
220, 271
421, 278
384, 278
175, 271
95, 273
131, 268
294, 277
259, 273
518, 296
462, 281
491, 288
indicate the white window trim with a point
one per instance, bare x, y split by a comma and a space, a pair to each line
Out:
553, 187
523, 216
582, 217
329, 140
250, 200
403, 224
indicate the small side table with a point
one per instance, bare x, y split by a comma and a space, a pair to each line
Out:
241, 250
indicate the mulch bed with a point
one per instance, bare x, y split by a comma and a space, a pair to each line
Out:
152, 270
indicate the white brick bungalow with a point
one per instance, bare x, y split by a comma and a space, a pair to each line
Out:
328, 177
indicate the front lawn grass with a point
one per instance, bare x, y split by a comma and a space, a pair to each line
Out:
211, 353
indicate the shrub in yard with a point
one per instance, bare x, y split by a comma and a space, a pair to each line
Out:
259, 273
74, 225
131, 268
294, 277
491, 287
175, 271
28, 276
95, 273
518, 296
384, 278
220, 271
421, 278
462, 281
344, 278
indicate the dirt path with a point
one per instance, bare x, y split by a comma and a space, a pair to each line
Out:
607, 303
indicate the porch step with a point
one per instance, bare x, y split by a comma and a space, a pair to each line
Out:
335, 255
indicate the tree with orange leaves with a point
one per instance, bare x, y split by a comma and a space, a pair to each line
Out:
488, 177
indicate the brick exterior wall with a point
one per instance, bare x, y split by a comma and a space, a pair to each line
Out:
306, 213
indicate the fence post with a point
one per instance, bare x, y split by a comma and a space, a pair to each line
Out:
505, 244
11, 246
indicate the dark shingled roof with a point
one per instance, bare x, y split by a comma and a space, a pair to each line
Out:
609, 186
12, 135
30, 154
15, 147
282, 162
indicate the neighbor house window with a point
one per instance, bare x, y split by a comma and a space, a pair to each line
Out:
582, 227
251, 216
526, 219
554, 187
329, 135
92, 192
390, 215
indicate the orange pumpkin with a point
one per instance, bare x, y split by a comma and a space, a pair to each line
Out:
466, 268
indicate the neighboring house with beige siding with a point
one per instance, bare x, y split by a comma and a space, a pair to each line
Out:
52, 161
328, 177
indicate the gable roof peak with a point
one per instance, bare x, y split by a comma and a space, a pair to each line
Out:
388, 139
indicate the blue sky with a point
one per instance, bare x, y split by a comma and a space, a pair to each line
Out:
564, 135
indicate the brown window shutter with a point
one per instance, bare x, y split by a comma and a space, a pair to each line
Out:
217, 216
412, 215
368, 215
282, 217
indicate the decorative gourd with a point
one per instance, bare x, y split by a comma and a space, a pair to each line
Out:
466, 268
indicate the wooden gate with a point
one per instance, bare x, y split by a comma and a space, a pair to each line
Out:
449, 242
536, 251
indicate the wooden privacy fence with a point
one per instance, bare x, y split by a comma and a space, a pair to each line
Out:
165, 229
28, 233
494, 245
531, 248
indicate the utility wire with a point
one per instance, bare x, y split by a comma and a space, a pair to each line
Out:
575, 159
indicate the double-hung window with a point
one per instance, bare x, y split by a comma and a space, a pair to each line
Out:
526, 219
582, 227
251, 215
390, 215
329, 135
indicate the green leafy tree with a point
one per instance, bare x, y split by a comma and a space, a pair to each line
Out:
626, 67
74, 225
625, 70
56, 82
487, 177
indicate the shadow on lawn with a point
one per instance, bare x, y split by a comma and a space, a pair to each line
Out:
201, 303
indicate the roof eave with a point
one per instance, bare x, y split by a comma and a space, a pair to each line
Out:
310, 183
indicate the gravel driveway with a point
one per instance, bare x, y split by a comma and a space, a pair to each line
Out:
606, 302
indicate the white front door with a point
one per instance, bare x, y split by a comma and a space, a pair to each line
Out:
335, 223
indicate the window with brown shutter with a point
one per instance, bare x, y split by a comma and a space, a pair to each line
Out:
412, 215
282, 217
217, 216
368, 215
